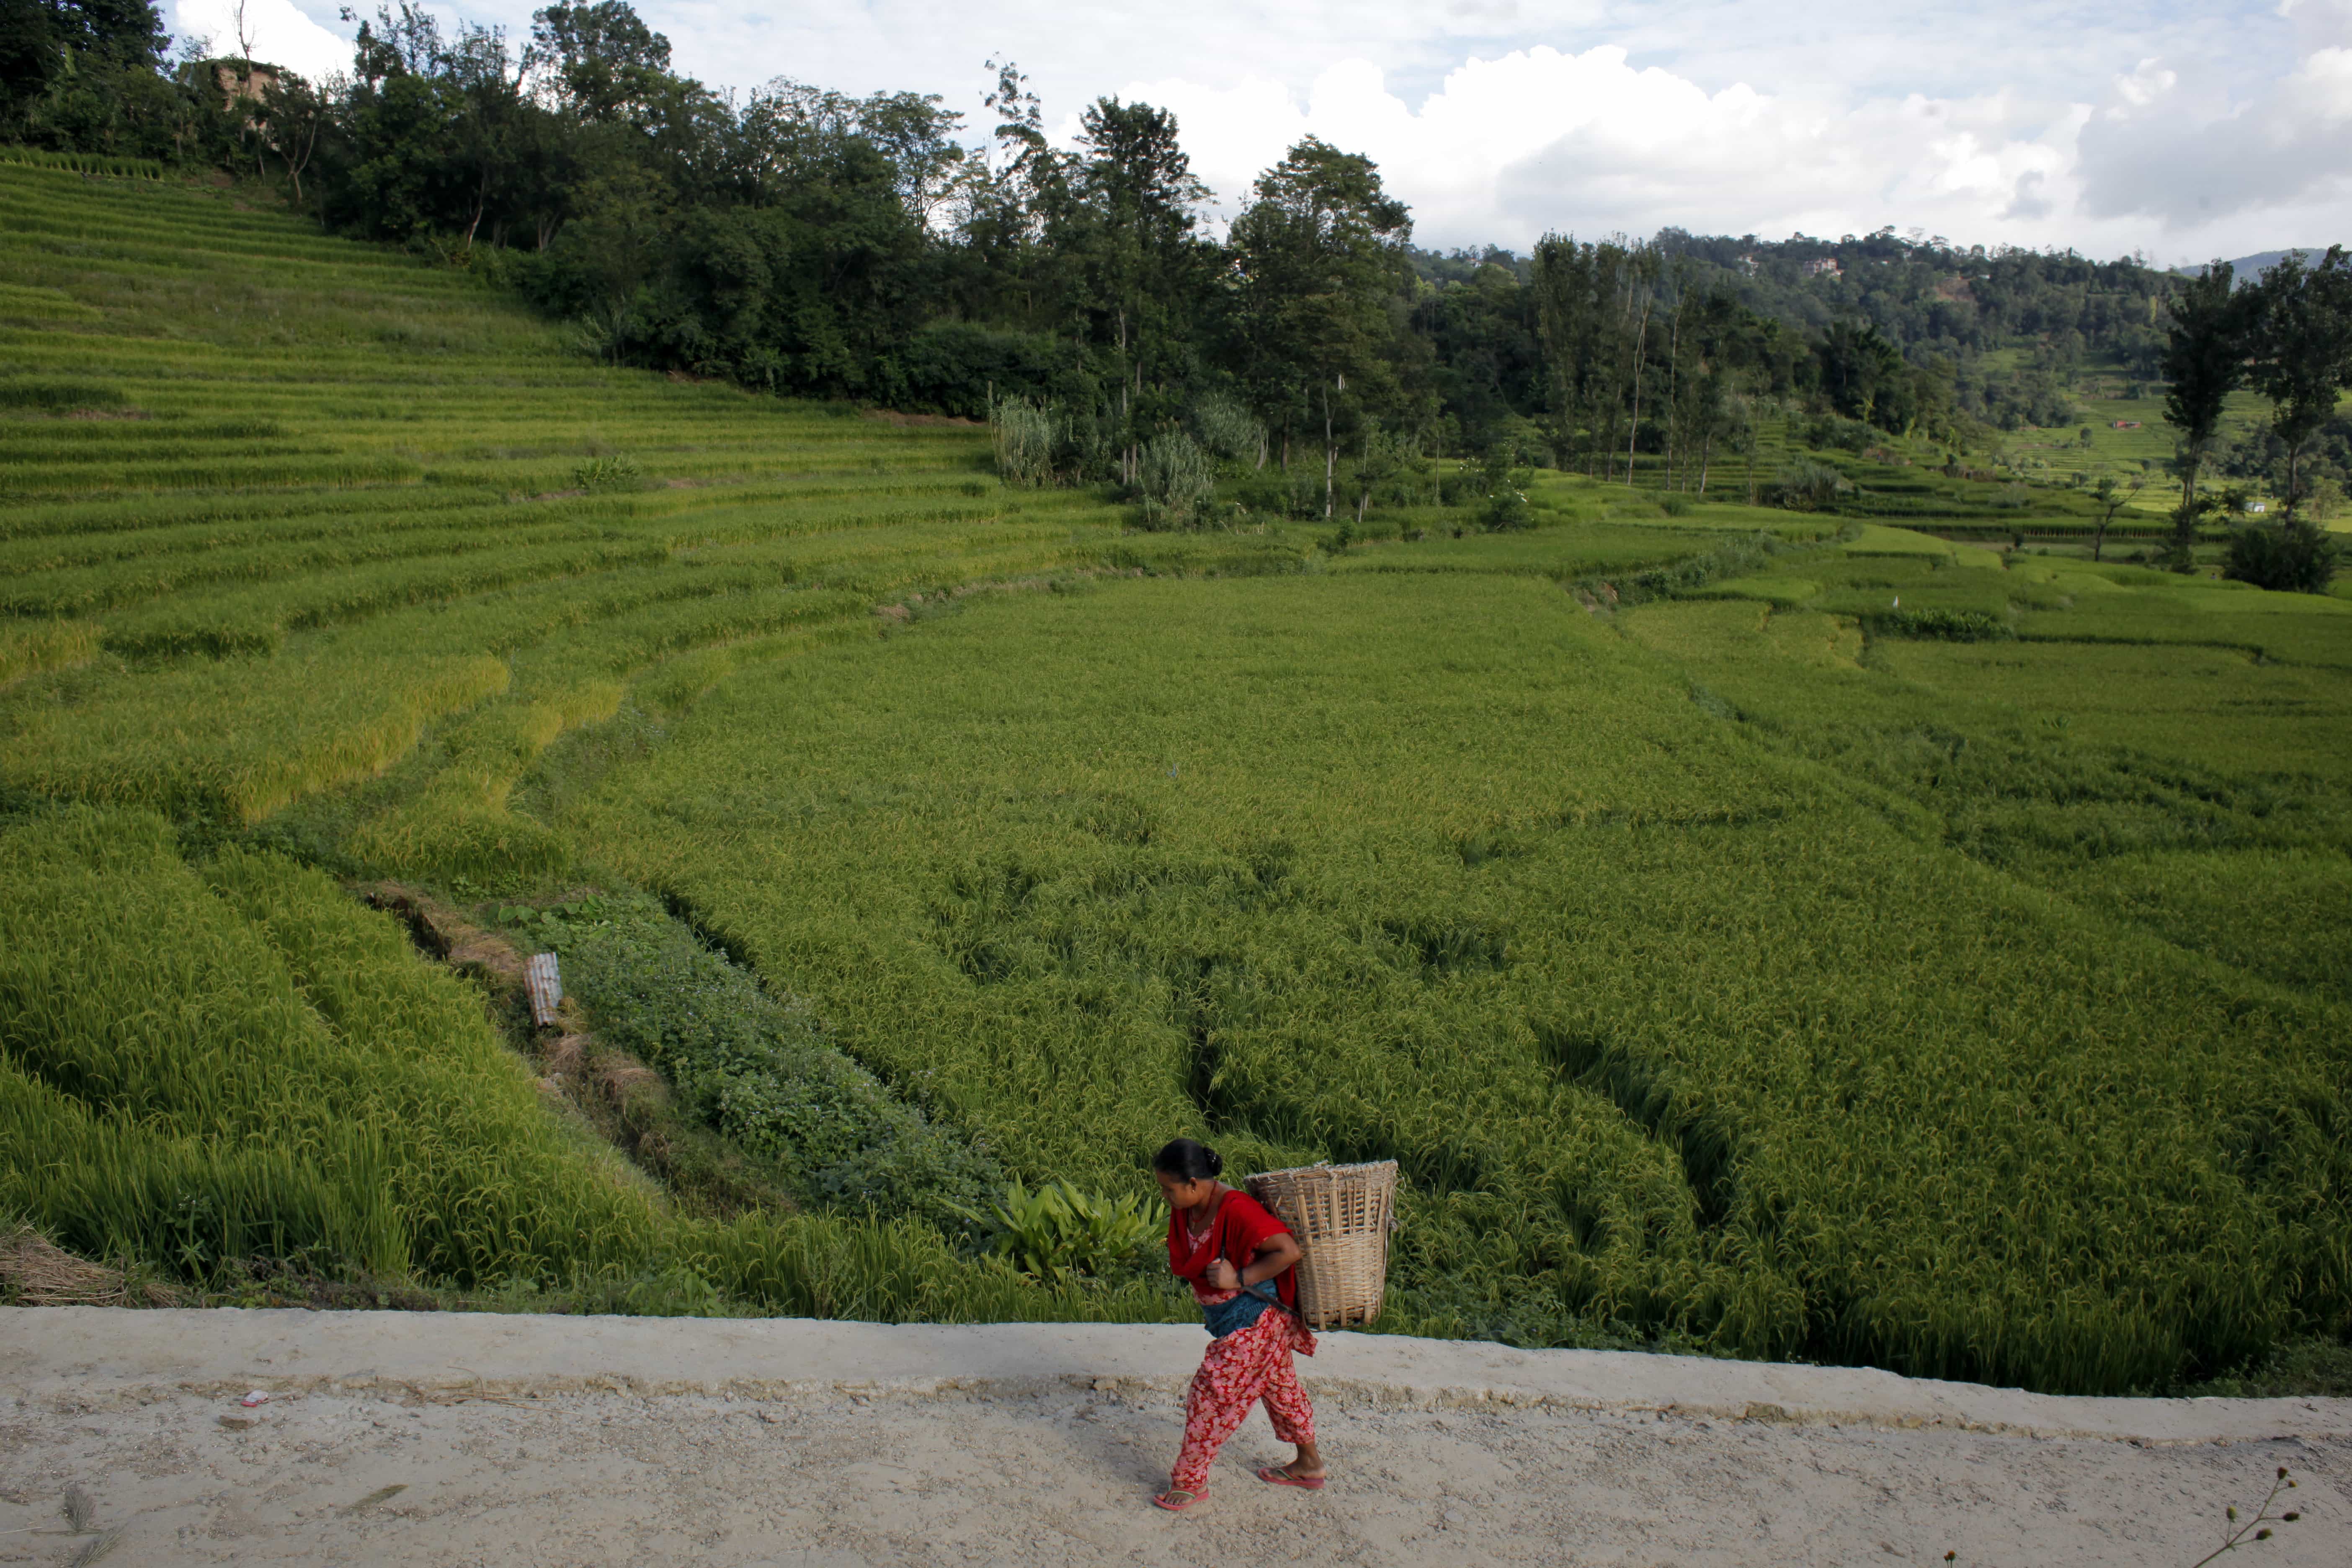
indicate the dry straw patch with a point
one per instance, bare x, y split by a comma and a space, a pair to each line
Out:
36, 1272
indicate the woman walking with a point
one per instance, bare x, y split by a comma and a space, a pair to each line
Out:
1239, 1260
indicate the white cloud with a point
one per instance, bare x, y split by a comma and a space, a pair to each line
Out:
280, 32
2207, 164
1499, 118
1536, 140
2143, 87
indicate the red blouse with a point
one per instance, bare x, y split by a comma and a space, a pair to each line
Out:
1240, 1225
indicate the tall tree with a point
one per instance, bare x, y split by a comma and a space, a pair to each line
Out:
2204, 359
1641, 296
2300, 339
1582, 293
85, 74
603, 60
1134, 264
1860, 370
1317, 260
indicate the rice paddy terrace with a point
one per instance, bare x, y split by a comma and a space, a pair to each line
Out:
1849, 946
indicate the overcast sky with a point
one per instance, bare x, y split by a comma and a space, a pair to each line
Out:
2178, 131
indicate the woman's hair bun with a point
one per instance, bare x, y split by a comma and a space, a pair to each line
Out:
1189, 1159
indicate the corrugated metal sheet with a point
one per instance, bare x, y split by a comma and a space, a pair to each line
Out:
545, 987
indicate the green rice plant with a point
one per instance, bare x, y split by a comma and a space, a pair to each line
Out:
51, 396
1718, 978
210, 740
1695, 570
44, 646
1635, 1073
82, 162
199, 1071
616, 471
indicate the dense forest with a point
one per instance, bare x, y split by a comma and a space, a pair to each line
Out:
879, 248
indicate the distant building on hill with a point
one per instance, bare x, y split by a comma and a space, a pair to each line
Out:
2126, 424
247, 79
2257, 508
1825, 267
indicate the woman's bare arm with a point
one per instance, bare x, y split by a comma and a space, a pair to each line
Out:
1278, 1254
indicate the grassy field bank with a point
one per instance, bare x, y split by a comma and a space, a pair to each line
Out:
1791, 935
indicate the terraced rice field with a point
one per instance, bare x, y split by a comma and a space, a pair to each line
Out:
249, 467
1867, 949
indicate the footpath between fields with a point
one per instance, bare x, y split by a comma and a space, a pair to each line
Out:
447, 1438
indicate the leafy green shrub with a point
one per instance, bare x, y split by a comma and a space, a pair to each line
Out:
1506, 509
1177, 478
1809, 486
1059, 1232
1023, 435
2287, 559
1737, 558
1226, 428
616, 472
961, 367
756, 1069
1949, 625
1270, 491
1833, 432
899, 1271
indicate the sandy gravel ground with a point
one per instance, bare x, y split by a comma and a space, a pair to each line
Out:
401, 1438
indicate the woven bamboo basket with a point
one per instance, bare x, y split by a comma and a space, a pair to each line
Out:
1341, 1216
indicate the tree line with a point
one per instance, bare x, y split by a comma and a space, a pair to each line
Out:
801, 241
2286, 335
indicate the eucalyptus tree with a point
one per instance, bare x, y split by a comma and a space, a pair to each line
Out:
289, 121
1640, 297
1010, 191
1317, 261
1475, 323
1135, 264
1585, 314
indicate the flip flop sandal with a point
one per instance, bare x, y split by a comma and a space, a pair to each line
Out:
1190, 1498
1275, 1475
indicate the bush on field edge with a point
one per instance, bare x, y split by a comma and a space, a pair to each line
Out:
1946, 625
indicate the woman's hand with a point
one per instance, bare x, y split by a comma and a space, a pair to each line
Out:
1222, 1276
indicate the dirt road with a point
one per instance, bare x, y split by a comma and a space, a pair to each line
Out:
424, 1438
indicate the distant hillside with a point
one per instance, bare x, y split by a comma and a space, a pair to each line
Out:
2252, 266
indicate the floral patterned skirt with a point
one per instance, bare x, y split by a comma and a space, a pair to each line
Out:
1243, 1369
